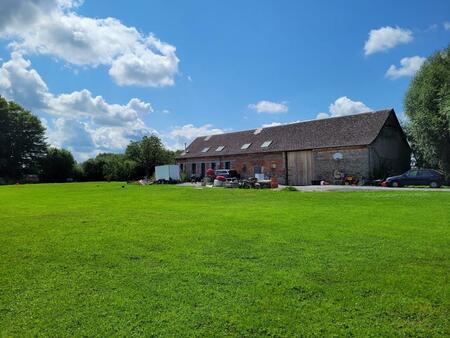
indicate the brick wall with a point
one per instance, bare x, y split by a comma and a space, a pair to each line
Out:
271, 164
355, 162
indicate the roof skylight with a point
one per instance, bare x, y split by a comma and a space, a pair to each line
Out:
266, 144
205, 150
208, 137
220, 148
257, 131
245, 146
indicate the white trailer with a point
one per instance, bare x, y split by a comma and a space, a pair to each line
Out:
167, 173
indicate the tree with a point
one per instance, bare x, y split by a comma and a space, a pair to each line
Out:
57, 165
427, 104
110, 167
93, 169
117, 167
22, 141
148, 153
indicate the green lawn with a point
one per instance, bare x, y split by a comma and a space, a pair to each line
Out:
98, 259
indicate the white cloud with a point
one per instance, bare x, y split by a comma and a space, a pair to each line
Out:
190, 131
180, 135
273, 124
22, 84
79, 121
276, 124
53, 28
408, 67
269, 107
322, 116
386, 38
447, 25
344, 106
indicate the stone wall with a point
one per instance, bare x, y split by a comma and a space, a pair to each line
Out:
355, 162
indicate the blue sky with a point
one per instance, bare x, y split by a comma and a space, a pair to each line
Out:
182, 69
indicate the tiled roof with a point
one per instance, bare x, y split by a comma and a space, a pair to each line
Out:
344, 131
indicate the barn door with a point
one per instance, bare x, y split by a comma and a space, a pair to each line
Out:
300, 167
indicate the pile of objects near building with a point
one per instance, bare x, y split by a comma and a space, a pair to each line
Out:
223, 178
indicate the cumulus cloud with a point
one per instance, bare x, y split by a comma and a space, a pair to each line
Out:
408, 67
180, 135
447, 25
190, 131
54, 28
272, 124
268, 107
386, 38
344, 106
84, 123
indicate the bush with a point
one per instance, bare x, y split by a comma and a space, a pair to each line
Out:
289, 188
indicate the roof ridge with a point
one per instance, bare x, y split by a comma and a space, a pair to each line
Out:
298, 122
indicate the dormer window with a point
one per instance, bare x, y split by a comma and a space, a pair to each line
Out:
205, 150
266, 144
220, 148
246, 146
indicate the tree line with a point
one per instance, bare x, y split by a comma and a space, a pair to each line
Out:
24, 153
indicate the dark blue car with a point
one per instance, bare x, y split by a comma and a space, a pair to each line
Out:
430, 177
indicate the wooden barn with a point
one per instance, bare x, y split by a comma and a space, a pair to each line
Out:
366, 146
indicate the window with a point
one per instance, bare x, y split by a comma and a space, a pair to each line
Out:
208, 137
193, 168
213, 165
244, 168
413, 173
266, 144
202, 169
257, 170
205, 149
220, 148
257, 131
245, 146
227, 165
181, 166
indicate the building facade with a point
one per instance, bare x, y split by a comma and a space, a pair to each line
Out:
368, 145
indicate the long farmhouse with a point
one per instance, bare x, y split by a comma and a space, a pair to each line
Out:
368, 145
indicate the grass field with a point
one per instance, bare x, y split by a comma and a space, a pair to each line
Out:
97, 259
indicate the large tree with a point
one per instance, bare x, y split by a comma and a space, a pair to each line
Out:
57, 165
148, 153
22, 141
427, 104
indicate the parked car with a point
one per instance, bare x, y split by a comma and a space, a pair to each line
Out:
228, 173
430, 177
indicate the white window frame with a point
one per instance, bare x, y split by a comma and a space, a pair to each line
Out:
266, 144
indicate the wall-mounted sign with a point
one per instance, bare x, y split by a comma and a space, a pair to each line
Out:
338, 156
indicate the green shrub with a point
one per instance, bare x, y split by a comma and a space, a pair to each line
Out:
289, 188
